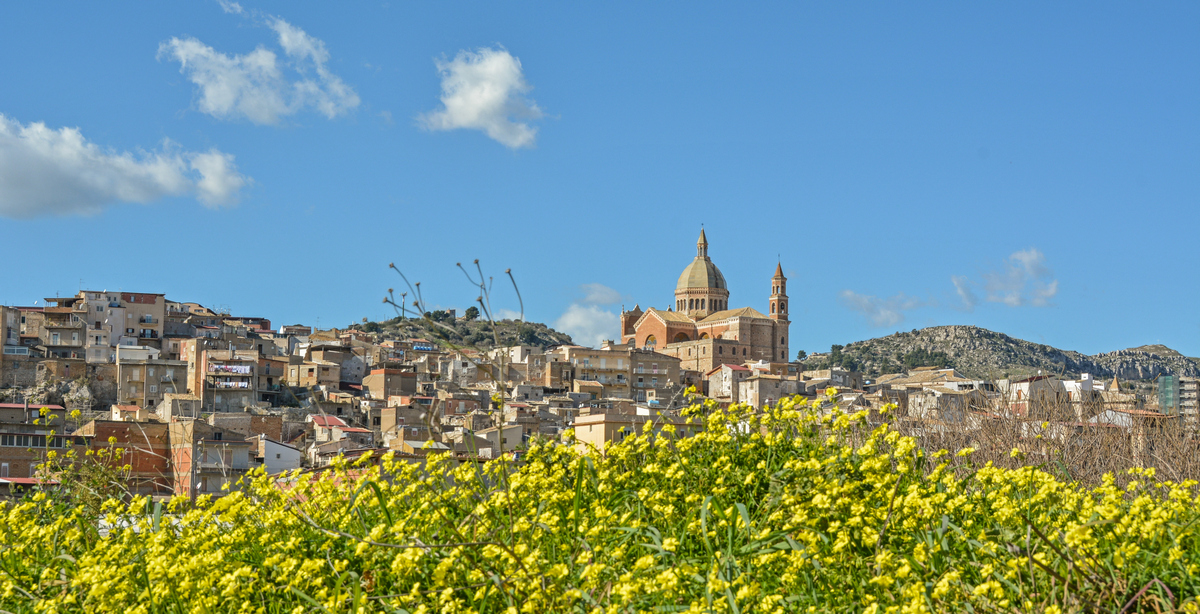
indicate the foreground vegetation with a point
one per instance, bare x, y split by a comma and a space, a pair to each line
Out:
787, 510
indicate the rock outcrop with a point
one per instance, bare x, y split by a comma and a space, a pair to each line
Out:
978, 352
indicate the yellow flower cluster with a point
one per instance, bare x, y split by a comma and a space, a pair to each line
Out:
794, 508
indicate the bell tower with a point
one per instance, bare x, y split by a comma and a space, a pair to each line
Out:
779, 316
779, 299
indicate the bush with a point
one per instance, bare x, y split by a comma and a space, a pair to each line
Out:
792, 509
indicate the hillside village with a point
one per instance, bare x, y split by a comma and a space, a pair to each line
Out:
195, 398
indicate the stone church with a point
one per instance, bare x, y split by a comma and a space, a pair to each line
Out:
701, 330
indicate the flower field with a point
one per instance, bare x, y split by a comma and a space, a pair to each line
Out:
783, 510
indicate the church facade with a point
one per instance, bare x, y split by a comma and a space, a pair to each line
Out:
701, 330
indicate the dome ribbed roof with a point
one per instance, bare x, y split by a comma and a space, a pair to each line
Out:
701, 273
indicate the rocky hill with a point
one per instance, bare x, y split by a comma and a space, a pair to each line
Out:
466, 331
982, 353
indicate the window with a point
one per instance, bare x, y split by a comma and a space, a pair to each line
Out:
149, 371
217, 436
3, 470
153, 388
278, 456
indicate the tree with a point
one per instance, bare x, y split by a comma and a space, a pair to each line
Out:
471, 313
801, 355
529, 337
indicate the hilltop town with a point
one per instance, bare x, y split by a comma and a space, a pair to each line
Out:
195, 398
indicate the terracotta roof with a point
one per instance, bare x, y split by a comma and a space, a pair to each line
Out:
31, 406
352, 429
744, 312
327, 421
921, 377
668, 316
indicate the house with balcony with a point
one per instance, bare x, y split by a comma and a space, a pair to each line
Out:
144, 381
61, 333
225, 380
205, 458
120, 318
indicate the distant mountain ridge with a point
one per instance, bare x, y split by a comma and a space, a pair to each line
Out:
978, 352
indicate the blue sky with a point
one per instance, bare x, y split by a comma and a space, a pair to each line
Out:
1027, 168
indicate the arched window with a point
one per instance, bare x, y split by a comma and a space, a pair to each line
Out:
650, 342
743, 351
772, 307
720, 350
782, 340
691, 303
783, 307
701, 304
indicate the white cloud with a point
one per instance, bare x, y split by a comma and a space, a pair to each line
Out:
258, 86
231, 7
44, 171
599, 294
485, 90
1024, 280
588, 324
962, 286
506, 314
880, 311
219, 179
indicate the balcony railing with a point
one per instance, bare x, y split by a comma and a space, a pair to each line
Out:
230, 384
50, 341
230, 369
147, 321
61, 324
221, 467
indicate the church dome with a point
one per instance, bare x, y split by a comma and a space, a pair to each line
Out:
701, 273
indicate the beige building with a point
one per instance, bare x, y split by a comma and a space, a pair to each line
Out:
607, 367
765, 390
144, 381
121, 318
61, 331
594, 431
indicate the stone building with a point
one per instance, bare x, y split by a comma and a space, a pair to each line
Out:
701, 330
